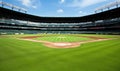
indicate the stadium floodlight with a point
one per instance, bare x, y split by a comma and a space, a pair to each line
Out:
23, 9
12, 6
16, 7
19, 8
116, 3
7, 4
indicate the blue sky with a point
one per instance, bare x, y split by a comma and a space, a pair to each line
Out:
60, 8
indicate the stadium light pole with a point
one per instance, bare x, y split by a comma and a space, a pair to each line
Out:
117, 4
108, 6
1, 2
12, 6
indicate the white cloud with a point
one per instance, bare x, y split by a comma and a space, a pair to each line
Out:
81, 13
85, 3
62, 1
28, 3
60, 11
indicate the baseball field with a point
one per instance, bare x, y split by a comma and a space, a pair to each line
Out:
60, 52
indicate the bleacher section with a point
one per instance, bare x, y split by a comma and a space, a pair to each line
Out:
14, 22
11, 26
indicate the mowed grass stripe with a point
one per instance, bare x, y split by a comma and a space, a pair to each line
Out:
23, 58
62, 38
93, 55
87, 57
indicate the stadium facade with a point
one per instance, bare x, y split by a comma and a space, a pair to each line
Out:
105, 22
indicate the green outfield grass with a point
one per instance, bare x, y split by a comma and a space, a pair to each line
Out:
21, 55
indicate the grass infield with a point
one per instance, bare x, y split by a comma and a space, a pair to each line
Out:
62, 38
21, 55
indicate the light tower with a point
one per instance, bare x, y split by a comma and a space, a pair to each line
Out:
3, 4
108, 6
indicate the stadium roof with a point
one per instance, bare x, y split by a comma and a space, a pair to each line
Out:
11, 14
